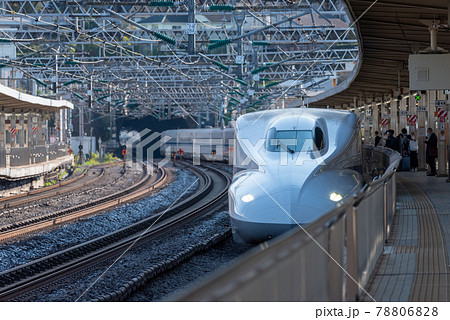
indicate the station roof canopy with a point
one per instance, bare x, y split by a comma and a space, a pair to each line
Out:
13, 99
389, 30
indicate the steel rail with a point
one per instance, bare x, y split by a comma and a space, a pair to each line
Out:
9, 202
33, 275
144, 186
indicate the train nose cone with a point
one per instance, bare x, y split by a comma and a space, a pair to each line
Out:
269, 213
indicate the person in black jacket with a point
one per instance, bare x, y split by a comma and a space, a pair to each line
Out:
431, 151
390, 140
377, 138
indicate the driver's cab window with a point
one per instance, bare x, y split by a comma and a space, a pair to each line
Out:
318, 138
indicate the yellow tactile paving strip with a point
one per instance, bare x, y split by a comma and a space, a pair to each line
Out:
414, 265
431, 276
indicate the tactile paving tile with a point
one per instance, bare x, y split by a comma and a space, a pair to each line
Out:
415, 266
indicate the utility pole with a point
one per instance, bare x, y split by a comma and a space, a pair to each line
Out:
90, 102
110, 110
191, 27
239, 18
81, 131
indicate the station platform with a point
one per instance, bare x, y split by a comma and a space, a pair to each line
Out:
415, 262
36, 169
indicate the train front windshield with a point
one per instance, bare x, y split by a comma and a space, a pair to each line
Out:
290, 141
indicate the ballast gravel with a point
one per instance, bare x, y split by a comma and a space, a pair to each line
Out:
20, 252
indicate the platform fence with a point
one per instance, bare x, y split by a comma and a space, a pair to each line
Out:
330, 260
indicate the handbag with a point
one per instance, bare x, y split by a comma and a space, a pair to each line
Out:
433, 152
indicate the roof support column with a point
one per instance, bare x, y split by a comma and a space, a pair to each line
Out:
61, 125
40, 136
431, 121
2, 131
375, 119
412, 112
421, 131
402, 114
30, 129
45, 137
355, 105
384, 115
12, 130
366, 117
394, 113
442, 141
22, 130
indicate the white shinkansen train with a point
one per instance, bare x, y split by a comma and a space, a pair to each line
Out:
297, 165
213, 144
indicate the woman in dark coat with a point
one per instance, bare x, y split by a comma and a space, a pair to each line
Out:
431, 152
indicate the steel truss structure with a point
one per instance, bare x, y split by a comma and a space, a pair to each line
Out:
255, 52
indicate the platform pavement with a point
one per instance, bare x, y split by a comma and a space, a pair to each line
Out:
415, 262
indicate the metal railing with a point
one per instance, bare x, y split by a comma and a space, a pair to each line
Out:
330, 260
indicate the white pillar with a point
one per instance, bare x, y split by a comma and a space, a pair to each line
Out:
22, 130
13, 125
402, 116
40, 134
422, 129
412, 112
431, 120
30, 129
2, 131
394, 114
441, 133
366, 111
375, 119
61, 125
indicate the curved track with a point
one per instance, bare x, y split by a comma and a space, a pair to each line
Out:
212, 192
63, 187
147, 184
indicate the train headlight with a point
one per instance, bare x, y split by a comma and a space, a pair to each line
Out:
247, 198
335, 197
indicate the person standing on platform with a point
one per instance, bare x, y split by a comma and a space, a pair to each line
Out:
413, 151
431, 151
390, 140
377, 139
404, 142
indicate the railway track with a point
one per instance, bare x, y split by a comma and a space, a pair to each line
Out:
147, 184
140, 281
81, 181
211, 193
